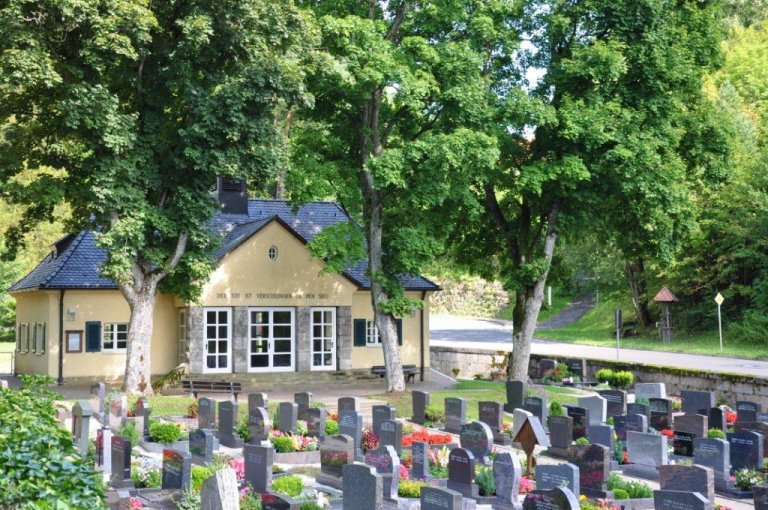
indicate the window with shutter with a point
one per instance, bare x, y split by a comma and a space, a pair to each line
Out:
92, 336
359, 326
399, 325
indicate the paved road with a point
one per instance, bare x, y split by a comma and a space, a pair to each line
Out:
496, 335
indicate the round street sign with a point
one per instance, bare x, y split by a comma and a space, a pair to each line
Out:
719, 299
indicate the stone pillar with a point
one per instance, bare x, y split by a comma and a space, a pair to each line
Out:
303, 339
344, 337
196, 332
240, 339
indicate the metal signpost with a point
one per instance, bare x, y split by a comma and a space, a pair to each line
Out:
618, 331
719, 300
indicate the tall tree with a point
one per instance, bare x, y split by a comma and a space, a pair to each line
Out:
142, 105
394, 135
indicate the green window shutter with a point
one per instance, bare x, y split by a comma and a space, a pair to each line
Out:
399, 324
18, 342
43, 349
26, 329
359, 332
92, 336
34, 338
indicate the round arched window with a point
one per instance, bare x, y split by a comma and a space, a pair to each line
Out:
272, 253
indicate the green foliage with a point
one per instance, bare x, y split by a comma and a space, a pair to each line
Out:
440, 472
164, 432
634, 490
190, 500
745, 478
331, 427
715, 434
282, 444
484, 478
604, 375
620, 494
198, 476
312, 506
251, 500
434, 414
582, 441
556, 409
410, 488
40, 465
301, 427
289, 485
151, 479
620, 379
242, 429
130, 432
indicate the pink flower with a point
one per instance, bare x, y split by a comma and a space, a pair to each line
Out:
136, 504
526, 485
404, 474
239, 466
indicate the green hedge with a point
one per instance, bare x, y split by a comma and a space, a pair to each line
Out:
40, 465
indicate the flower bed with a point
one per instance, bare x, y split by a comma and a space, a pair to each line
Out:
425, 436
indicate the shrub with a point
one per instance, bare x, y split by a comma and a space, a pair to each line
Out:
715, 434
199, 475
484, 478
39, 463
148, 479
190, 500
438, 471
331, 428
434, 414
634, 490
250, 499
242, 430
620, 494
192, 410
556, 409
604, 375
289, 485
622, 380
310, 506
582, 441
745, 479
410, 488
557, 374
129, 431
161, 432
282, 444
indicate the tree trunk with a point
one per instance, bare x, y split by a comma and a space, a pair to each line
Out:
281, 172
636, 275
532, 299
138, 357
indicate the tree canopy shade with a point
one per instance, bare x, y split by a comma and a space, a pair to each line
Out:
618, 127
141, 105
394, 133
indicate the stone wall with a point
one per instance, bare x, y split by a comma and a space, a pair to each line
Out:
731, 387
473, 297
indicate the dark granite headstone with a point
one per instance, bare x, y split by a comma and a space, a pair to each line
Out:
694, 424
335, 452
104, 449
515, 395
439, 498
580, 420
420, 404
98, 399
697, 402
227, 423
546, 365
288, 413
717, 419
258, 400
559, 498
646, 453
630, 422
362, 487
259, 425
142, 411
304, 401
121, 463
206, 413
492, 414
594, 463
271, 501
576, 366
420, 464
538, 407
391, 433
380, 414
759, 427
650, 390
386, 462
201, 445
601, 434
747, 411
746, 449
506, 476
676, 477
258, 466
351, 424
315, 417
177, 470
455, 414
760, 497
682, 444
477, 438
561, 431
550, 476
679, 500
661, 413
716, 455
636, 408
616, 401
461, 472
349, 404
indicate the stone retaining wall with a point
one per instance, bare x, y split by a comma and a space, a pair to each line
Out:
730, 387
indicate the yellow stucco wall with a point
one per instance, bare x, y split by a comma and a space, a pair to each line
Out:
32, 307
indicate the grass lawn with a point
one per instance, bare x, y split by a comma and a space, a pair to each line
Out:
559, 301
476, 391
597, 328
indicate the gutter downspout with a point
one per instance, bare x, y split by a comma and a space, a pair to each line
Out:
421, 374
61, 338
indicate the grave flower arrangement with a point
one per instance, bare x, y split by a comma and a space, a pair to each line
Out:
438, 462
730, 417
426, 436
526, 485
745, 479
369, 439
146, 473
288, 443
667, 432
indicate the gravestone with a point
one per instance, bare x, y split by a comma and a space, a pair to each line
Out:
530, 436
386, 462
288, 413
661, 413
650, 390
746, 449
682, 444
546, 365
577, 367
141, 410
362, 487
717, 419
476, 437
559, 498
206, 413
315, 417
538, 407
270, 501
596, 407
201, 445
420, 463
259, 425
616, 401
519, 416
258, 466
420, 404
747, 411
549, 476
257, 400
98, 398
687, 428
679, 500
630, 422
637, 408
515, 395
227, 423
380, 414
560, 432
716, 455
594, 463
304, 401
335, 453
506, 476
351, 424
601, 434
177, 470
3, 384
81, 425
760, 497
439, 498
759, 427
104, 449
118, 412
646, 453
121, 463
492, 414
697, 402
461, 472
455, 414
391, 433
220, 491
349, 404
688, 478
580, 420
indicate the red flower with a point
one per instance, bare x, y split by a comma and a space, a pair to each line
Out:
667, 432
730, 417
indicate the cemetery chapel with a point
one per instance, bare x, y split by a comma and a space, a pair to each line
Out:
267, 307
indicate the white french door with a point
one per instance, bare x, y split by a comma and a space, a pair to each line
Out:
271, 339
323, 331
218, 340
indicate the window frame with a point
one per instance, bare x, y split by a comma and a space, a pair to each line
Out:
183, 338
334, 338
79, 332
112, 329
368, 335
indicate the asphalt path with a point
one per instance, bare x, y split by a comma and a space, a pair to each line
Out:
497, 336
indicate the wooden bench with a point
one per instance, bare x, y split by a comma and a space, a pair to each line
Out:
196, 387
409, 371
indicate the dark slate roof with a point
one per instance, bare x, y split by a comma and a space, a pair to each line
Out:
76, 261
